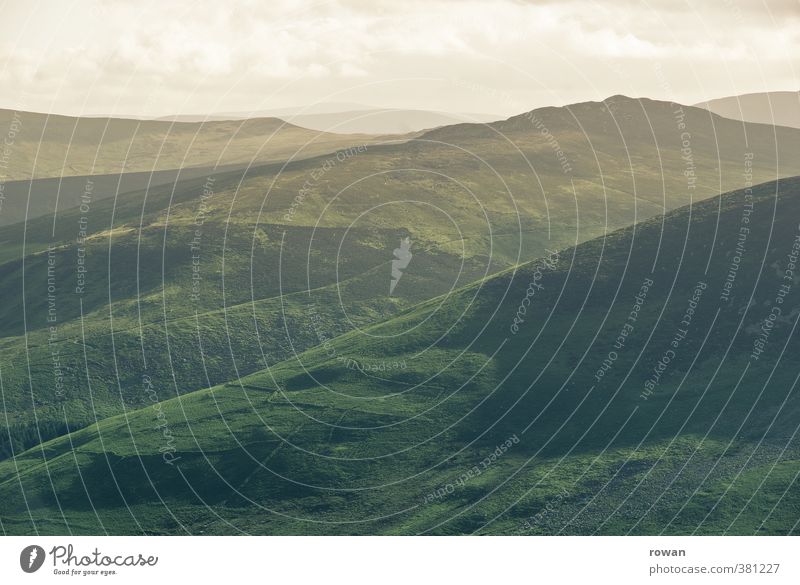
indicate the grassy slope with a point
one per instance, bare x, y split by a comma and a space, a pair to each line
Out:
134, 322
31, 199
311, 446
485, 196
62, 146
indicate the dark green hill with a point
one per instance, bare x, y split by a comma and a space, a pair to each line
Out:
30, 199
643, 382
134, 273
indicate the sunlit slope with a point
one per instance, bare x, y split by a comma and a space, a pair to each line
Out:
41, 145
85, 352
135, 274
182, 293
625, 385
598, 163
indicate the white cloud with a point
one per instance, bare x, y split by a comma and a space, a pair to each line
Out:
201, 56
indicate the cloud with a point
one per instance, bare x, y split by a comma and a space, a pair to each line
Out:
186, 55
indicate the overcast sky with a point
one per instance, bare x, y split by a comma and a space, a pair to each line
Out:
501, 57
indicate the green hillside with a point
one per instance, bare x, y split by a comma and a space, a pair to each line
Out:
30, 199
643, 382
202, 279
42, 145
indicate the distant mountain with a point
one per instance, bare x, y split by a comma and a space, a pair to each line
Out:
48, 145
319, 108
781, 108
384, 121
352, 121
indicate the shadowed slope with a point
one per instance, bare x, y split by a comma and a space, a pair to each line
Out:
627, 383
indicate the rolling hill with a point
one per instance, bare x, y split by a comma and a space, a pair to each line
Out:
206, 278
134, 274
351, 119
643, 382
30, 199
383, 121
41, 145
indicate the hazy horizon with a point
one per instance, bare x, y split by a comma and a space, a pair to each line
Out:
501, 58
309, 109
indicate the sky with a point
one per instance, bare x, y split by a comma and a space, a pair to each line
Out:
152, 58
